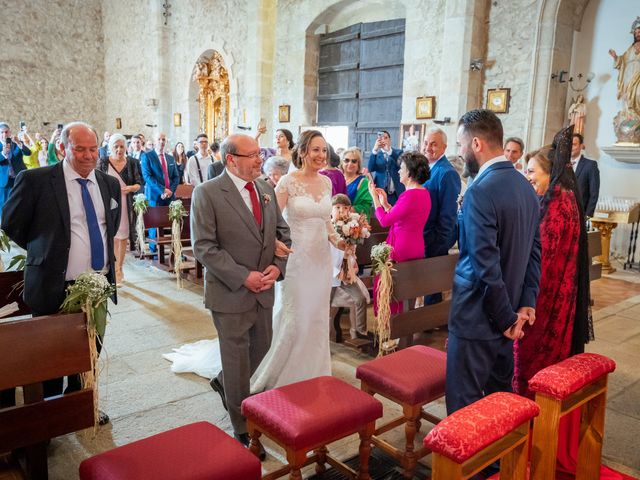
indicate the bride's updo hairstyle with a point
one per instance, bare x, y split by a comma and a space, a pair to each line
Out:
417, 166
302, 146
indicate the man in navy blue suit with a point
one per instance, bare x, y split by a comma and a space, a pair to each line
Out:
383, 166
497, 276
11, 163
587, 174
160, 173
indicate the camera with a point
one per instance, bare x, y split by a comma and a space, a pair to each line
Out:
60, 126
380, 134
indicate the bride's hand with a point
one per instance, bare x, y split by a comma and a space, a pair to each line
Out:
281, 250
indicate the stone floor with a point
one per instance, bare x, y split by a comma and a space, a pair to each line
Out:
143, 397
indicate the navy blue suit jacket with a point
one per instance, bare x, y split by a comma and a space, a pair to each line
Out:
383, 170
440, 232
588, 177
154, 177
499, 266
16, 162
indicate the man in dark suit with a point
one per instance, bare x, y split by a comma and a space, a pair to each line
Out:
497, 276
440, 232
65, 216
11, 163
383, 166
215, 169
587, 174
103, 151
160, 174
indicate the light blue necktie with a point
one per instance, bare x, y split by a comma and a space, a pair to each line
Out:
95, 236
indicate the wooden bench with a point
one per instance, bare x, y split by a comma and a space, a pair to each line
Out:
31, 351
415, 279
158, 218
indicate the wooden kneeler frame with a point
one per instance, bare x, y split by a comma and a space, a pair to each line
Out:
511, 450
412, 414
298, 459
592, 398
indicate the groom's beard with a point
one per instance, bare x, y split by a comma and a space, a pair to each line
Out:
471, 165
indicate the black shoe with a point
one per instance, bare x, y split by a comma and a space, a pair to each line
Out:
217, 387
103, 418
245, 440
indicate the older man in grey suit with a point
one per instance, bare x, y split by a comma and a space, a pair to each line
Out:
235, 222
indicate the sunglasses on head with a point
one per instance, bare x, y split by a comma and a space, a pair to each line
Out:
350, 160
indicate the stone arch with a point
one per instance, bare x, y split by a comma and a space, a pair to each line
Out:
557, 20
334, 10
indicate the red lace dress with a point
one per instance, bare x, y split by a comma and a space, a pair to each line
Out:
548, 340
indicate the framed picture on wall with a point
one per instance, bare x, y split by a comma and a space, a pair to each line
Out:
284, 112
411, 136
498, 100
425, 108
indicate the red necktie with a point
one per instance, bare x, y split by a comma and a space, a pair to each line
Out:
255, 204
165, 172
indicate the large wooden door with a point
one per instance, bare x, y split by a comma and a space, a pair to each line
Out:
360, 80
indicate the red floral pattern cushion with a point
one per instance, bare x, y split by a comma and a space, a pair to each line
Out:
415, 375
311, 412
464, 433
567, 377
197, 451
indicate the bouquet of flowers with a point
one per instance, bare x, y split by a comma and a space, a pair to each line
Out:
382, 265
353, 228
140, 205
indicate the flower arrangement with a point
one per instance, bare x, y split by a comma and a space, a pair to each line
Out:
352, 228
176, 214
382, 265
140, 205
89, 294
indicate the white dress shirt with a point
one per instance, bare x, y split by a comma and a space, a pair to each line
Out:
244, 193
80, 247
574, 163
193, 177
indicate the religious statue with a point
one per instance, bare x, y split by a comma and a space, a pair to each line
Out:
202, 70
627, 121
577, 114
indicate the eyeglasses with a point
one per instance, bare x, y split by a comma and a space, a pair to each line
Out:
350, 160
250, 155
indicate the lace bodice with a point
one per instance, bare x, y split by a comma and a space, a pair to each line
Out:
305, 202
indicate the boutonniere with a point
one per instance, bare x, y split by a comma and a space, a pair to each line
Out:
266, 198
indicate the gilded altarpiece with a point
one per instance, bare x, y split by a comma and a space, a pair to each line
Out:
213, 96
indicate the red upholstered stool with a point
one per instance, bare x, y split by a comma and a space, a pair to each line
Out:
412, 378
306, 416
198, 451
495, 427
578, 381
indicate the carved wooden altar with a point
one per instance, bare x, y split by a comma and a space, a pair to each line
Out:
213, 96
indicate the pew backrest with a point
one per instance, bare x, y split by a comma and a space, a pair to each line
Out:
415, 279
33, 350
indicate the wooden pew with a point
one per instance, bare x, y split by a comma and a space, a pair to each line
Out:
417, 279
31, 351
11, 291
158, 218
595, 250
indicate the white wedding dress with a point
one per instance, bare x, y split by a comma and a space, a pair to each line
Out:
300, 345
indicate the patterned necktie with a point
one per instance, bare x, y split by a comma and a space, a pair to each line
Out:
165, 171
255, 204
95, 236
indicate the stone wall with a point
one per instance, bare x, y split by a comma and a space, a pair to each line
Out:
52, 64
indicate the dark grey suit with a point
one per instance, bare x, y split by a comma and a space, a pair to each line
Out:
228, 242
215, 169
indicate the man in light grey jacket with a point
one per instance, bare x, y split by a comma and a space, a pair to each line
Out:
235, 222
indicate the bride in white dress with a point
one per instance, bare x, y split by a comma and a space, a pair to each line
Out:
300, 345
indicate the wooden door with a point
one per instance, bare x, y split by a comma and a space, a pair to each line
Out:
360, 80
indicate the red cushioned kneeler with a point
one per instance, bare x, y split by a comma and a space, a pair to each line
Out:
199, 451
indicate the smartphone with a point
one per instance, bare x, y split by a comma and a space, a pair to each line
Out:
60, 126
380, 134
23, 126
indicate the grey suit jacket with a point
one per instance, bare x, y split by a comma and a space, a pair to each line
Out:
228, 242
215, 169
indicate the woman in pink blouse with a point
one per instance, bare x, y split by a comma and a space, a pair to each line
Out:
409, 215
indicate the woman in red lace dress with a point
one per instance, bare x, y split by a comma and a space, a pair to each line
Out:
563, 322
